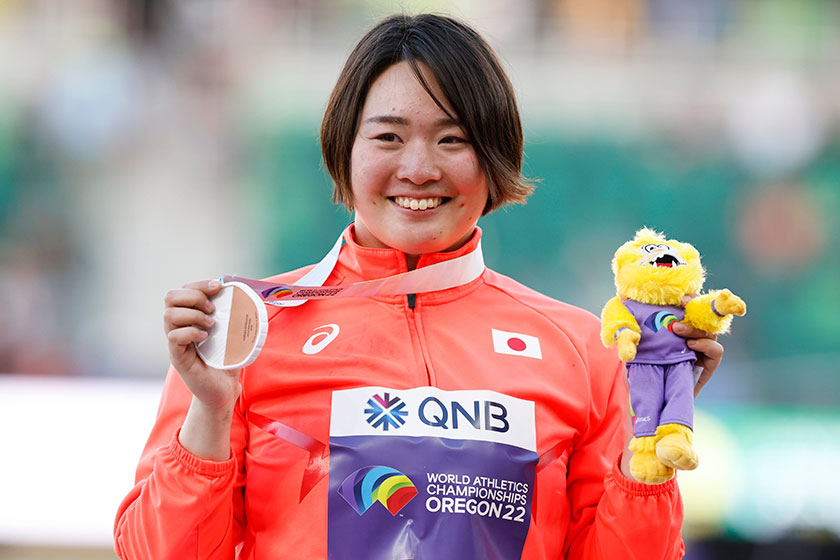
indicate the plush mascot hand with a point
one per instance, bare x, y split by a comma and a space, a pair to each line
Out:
727, 303
627, 342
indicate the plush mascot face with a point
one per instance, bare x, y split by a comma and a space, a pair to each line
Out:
655, 270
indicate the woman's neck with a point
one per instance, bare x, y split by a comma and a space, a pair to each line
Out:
411, 261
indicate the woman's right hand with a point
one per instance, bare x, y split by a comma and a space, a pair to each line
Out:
186, 321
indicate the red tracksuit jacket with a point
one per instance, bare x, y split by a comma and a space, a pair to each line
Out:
521, 415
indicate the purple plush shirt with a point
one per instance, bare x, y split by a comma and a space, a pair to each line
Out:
658, 344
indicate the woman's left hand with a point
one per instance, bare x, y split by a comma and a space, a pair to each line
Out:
709, 350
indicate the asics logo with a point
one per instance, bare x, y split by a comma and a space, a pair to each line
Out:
320, 340
385, 412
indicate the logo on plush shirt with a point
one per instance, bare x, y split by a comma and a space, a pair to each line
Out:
661, 319
385, 485
385, 412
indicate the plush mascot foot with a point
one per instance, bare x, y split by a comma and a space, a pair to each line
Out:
674, 447
645, 466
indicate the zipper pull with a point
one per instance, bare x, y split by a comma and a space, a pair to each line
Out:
412, 299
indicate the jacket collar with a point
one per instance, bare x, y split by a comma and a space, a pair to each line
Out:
357, 263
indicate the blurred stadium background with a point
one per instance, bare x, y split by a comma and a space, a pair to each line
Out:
148, 143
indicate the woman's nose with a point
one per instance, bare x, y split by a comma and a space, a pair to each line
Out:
418, 164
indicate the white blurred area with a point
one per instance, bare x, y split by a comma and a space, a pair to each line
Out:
70, 447
127, 129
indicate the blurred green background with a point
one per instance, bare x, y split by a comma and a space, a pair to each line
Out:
148, 143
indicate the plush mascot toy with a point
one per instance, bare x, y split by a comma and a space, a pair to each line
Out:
652, 274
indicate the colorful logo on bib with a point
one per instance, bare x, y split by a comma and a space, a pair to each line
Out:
657, 321
385, 485
385, 412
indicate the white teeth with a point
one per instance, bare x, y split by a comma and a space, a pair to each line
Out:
418, 203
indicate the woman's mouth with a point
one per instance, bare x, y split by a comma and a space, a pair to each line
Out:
418, 203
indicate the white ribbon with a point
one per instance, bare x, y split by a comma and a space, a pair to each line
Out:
438, 276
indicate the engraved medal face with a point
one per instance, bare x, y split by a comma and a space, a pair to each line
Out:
242, 328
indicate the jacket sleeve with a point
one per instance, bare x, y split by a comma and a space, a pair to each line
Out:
182, 506
612, 516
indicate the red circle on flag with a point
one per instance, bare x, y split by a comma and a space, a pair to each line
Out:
516, 344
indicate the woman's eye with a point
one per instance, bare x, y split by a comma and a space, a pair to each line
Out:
452, 140
387, 137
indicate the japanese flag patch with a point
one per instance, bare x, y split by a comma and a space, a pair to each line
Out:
516, 344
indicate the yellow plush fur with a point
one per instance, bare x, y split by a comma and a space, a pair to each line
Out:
675, 447
636, 279
645, 466
655, 285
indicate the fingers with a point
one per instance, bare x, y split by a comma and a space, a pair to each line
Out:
186, 335
712, 350
209, 287
186, 316
709, 350
687, 331
194, 295
185, 326
177, 317
709, 355
705, 375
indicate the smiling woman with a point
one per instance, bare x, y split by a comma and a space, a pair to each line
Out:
458, 72
416, 182
459, 405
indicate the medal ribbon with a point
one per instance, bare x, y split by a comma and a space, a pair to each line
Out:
438, 276
317, 467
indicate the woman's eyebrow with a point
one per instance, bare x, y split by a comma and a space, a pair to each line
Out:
387, 119
391, 119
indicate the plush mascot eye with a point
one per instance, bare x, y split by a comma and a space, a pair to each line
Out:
650, 247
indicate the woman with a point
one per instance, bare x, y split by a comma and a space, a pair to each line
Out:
486, 419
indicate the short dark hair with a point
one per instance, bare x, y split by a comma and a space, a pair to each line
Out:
471, 79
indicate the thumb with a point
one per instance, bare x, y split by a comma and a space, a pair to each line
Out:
687, 298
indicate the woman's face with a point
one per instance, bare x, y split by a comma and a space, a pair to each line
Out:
417, 184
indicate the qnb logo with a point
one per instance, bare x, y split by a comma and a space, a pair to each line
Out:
368, 485
435, 413
385, 412
319, 340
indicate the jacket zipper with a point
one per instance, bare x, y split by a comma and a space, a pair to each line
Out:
416, 330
